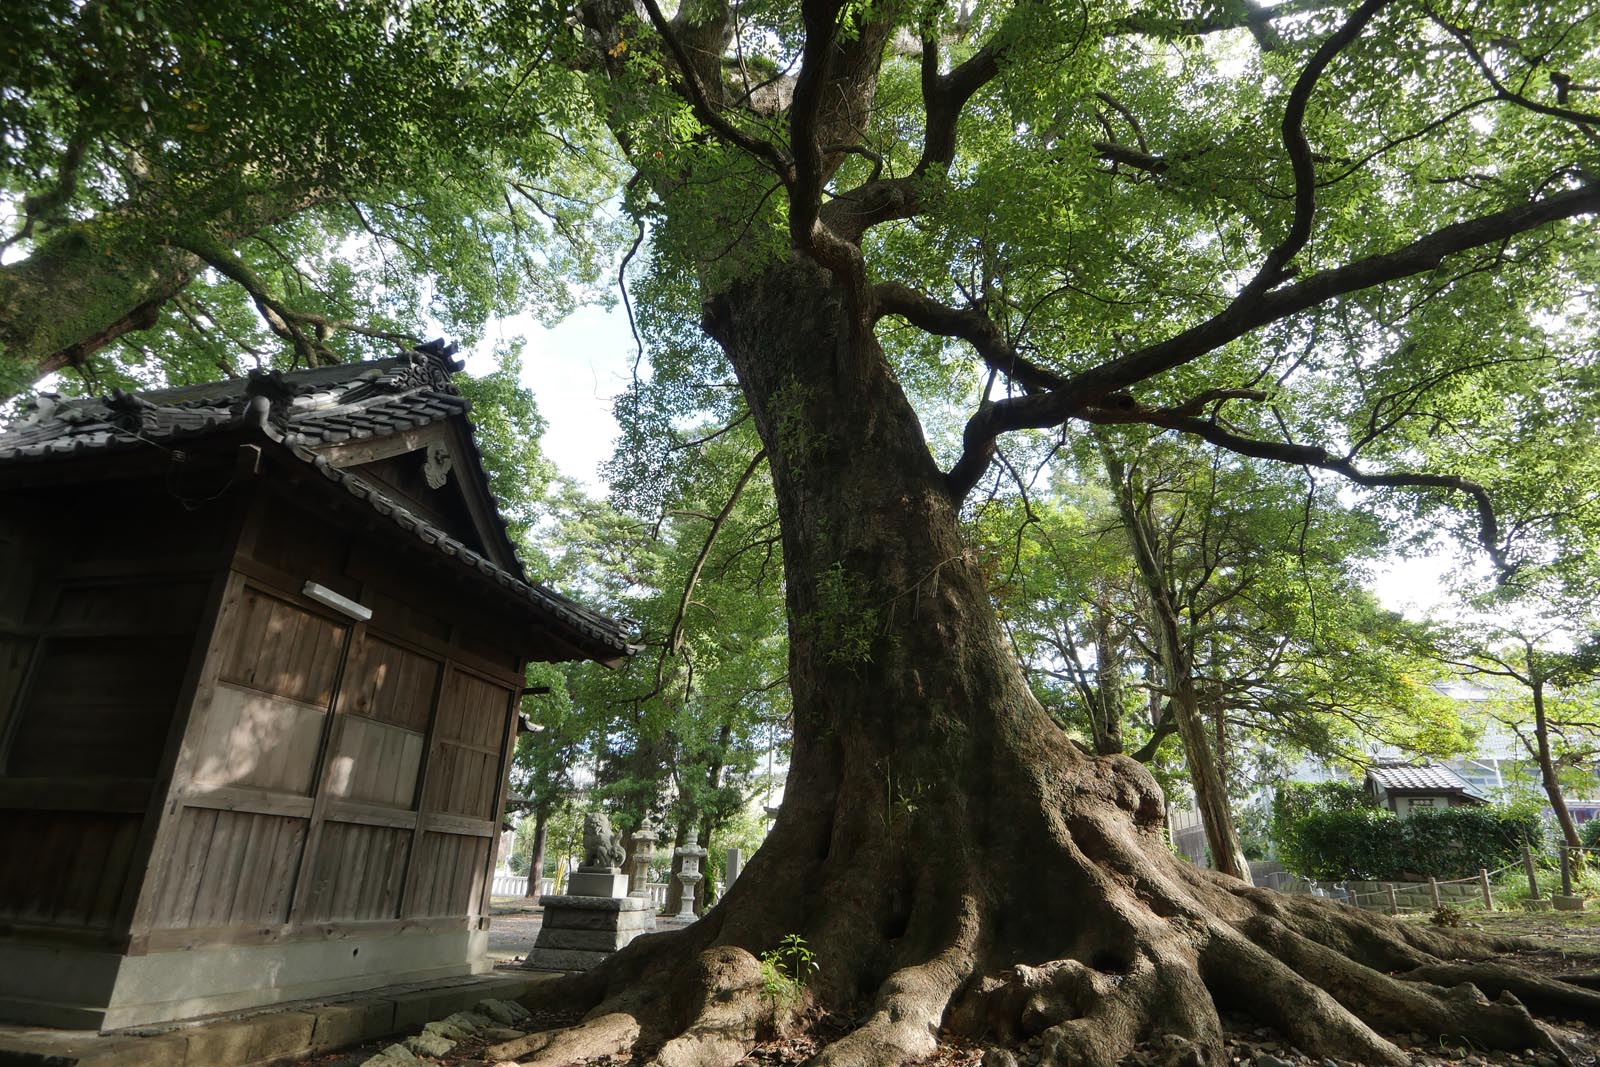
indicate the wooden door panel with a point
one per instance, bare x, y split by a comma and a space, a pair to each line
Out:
259, 740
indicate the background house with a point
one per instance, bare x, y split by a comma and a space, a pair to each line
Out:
1404, 787
262, 643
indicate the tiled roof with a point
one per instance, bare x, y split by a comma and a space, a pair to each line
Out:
305, 411
325, 405
1406, 776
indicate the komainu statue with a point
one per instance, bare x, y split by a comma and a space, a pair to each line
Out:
601, 847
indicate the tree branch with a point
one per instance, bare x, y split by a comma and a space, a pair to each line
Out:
1250, 313
706, 111
1320, 458
1299, 149
288, 323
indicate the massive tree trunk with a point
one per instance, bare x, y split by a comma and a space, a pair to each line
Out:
951, 858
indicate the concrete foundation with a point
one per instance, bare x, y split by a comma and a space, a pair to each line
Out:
293, 1032
578, 932
87, 989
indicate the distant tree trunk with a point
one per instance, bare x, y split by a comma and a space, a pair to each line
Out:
1547, 765
1177, 668
541, 831
1106, 719
674, 902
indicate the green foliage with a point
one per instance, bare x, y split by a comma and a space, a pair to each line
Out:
1293, 802
843, 625
391, 166
1589, 834
786, 969
1372, 843
507, 428
691, 720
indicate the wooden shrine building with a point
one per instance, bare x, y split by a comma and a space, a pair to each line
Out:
261, 650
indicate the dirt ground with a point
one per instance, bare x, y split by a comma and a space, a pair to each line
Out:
1564, 943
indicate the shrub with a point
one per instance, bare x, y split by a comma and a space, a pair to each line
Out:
1589, 833
1361, 843
1374, 844
786, 969
1295, 801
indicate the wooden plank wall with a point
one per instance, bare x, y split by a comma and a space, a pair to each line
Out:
336, 773
97, 635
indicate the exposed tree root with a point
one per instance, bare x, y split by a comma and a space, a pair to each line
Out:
1553, 995
727, 1011
600, 1035
1147, 958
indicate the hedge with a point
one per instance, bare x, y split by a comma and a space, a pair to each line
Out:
1376, 845
1294, 802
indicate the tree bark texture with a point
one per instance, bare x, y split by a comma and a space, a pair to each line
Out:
952, 859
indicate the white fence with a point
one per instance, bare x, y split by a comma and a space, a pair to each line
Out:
513, 885
516, 885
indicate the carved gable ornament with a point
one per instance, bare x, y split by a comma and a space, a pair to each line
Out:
436, 465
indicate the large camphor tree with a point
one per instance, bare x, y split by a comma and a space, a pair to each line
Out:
1347, 238
1354, 239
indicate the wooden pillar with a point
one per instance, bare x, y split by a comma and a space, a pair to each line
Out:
1488, 894
1533, 877
1394, 905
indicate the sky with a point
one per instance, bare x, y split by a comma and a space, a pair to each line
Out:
575, 370
578, 368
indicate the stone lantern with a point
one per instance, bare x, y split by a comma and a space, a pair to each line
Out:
644, 841
689, 855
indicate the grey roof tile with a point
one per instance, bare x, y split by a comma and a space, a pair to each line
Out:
1430, 776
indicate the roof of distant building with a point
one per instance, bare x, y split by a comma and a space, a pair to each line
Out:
1401, 777
305, 412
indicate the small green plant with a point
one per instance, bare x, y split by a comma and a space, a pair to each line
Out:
785, 969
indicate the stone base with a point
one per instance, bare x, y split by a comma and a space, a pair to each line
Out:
600, 882
1566, 903
1535, 904
578, 932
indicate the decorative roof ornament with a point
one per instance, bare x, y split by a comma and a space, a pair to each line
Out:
431, 367
436, 465
38, 408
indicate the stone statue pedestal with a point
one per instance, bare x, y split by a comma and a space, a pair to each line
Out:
597, 882
580, 931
